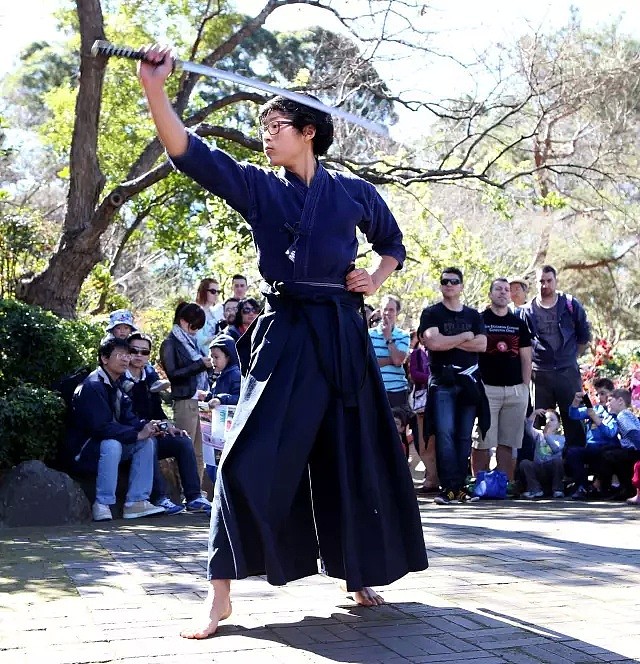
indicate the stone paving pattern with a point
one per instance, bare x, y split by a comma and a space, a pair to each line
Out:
517, 582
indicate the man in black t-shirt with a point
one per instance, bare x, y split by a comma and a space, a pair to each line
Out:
506, 374
454, 335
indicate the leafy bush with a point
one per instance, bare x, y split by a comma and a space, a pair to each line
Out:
157, 324
31, 425
38, 347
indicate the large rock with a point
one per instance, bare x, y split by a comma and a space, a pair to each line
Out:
33, 495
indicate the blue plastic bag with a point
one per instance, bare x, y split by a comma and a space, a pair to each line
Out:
491, 484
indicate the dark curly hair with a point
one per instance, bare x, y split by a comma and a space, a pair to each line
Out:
302, 116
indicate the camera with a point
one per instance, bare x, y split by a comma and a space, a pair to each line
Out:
163, 426
586, 401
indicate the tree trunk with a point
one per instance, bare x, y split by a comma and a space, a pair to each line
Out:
58, 286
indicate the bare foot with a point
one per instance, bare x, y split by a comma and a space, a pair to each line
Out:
634, 501
217, 607
368, 597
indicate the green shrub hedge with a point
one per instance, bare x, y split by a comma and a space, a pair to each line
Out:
31, 425
37, 348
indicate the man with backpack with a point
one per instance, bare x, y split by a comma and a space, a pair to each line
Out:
560, 330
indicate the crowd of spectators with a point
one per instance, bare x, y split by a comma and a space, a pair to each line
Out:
470, 392
512, 371
116, 414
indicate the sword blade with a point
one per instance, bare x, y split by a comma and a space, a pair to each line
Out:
106, 49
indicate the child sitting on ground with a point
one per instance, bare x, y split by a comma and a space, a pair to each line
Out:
621, 461
547, 460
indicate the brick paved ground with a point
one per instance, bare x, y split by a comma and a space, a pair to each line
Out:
513, 582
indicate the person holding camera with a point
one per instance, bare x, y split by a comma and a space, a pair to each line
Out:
104, 431
171, 442
601, 435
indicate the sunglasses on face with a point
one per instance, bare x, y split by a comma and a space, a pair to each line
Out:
140, 351
214, 291
249, 310
452, 282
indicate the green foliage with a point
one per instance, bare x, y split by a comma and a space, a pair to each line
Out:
31, 425
157, 324
37, 347
99, 293
25, 238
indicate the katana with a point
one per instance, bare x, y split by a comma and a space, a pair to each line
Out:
106, 49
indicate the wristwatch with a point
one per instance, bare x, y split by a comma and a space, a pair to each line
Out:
389, 342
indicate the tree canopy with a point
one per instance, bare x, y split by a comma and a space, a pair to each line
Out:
537, 162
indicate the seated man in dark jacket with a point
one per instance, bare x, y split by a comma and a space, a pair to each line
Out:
147, 406
104, 431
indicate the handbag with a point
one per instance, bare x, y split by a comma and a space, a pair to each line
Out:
418, 400
491, 484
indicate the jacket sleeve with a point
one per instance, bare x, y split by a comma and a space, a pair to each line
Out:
419, 367
555, 445
380, 226
583, 330
578, 413
608, 428
168, 359
91, 407
231, 398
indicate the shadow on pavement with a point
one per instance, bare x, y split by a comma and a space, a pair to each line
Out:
414, 632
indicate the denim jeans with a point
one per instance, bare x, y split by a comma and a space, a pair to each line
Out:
112, 452
578, 458
181, 449
453, 424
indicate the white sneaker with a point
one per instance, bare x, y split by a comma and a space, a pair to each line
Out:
141, 508
101, 512
558, 494
532, 495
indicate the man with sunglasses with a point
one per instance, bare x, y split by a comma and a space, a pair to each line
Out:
103, 431
171, 443
454, 335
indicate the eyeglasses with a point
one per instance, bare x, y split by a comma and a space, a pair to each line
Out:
214, 291
123, 356
452, 282
249, 310
140, 351
273, 127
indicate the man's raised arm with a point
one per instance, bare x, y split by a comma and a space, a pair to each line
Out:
171, 131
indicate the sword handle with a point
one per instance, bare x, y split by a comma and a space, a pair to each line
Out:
106, 49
